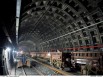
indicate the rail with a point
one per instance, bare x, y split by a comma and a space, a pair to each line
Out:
52, 68
24, 71
37, 71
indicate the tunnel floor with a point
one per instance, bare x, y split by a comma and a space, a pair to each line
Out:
24, 70
35, 69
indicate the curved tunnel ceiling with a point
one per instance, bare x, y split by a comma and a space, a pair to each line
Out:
43, 21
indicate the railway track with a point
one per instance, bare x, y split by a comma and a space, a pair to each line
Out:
40, 73
55, 71
19, 71
24, 71
28, 71
39, 68
44, 70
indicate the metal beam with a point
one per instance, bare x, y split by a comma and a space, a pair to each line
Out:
72, 32
18, 7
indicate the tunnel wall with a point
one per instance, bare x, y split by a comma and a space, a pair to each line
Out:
7, 62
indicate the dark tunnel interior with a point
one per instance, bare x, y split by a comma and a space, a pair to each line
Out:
68, 26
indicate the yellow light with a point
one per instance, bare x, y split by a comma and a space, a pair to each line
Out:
49, 54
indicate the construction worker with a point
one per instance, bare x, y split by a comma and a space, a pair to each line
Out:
23, 59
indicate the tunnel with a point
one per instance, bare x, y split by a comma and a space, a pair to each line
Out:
51, 37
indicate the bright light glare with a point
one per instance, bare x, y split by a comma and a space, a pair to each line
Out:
21, 52
8, 49
49, 54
